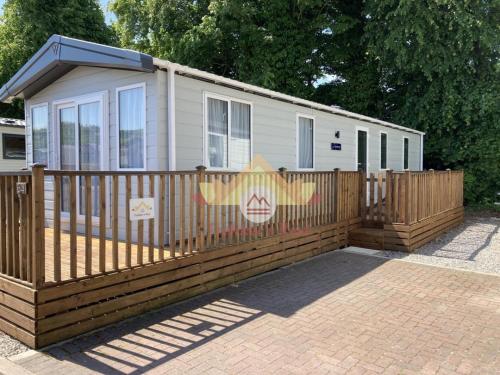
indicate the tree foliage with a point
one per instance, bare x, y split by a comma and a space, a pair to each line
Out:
280, 45
27, 24
438, 60
430, 65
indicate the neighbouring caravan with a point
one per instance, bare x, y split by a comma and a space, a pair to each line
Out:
96, 107
12, 144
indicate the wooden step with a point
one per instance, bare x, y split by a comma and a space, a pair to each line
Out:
371, 238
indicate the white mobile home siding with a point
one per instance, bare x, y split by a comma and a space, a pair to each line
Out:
274, 132
89, 80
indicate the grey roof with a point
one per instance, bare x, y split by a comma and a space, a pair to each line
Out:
59, 55
13, 122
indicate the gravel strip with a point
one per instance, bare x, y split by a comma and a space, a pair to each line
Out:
474, 246
10, 346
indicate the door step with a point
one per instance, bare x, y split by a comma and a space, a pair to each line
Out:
371, 238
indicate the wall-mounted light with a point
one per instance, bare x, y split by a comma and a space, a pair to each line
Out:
337, 134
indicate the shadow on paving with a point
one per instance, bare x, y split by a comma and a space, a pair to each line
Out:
145, 342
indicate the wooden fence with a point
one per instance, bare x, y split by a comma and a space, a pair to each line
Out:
71, 260
15, 226
73, 225
409, 197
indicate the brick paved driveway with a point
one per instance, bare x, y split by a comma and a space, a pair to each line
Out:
334, 314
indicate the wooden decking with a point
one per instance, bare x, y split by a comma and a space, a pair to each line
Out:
81, 255
55, 284
402, 237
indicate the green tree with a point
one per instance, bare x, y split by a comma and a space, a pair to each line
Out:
27, 24
439, 70
277, 44
354, 83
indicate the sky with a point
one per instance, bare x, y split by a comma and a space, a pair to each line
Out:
104, 4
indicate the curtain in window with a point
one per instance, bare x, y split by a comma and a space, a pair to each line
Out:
67, 123
39, 123
217, 132
305, 142
131, 112
90, 156
240, 135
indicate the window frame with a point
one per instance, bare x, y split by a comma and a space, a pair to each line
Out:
5, 135
297, 122
403, 159
228, 99
99, 96
356, 161
32, 153
73, 102
117, 132
386, 150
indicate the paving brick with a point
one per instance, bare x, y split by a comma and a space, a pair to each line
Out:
339, 313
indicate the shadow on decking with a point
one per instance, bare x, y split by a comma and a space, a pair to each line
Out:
143, 343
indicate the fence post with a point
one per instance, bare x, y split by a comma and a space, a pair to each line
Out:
200, 211
450, 200
433, 191
38, 222
388, 196
336, 197
282, 207
407, 197
362, 184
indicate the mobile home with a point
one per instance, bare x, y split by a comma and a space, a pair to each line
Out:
96, 107
12, 144
139, 112
114, 226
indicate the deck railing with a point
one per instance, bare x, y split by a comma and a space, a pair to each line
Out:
62, 226
408, 197
16, 225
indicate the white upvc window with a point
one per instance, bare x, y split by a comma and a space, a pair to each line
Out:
131, 126
39, 133
228, 129
406, 149
383, 150
305, 142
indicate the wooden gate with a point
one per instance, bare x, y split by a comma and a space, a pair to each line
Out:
373, 198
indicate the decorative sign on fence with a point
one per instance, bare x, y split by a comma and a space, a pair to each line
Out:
141, 209
21, 188
336, 146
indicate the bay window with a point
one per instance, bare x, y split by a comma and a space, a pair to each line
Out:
229, 133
